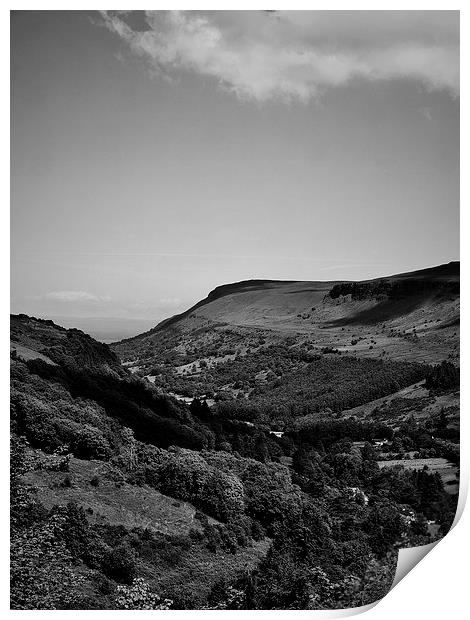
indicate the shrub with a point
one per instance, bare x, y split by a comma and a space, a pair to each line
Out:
41, 570
120, 564
138, 595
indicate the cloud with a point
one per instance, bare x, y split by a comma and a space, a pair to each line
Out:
76, 296
426, 112
169, 302
296, 55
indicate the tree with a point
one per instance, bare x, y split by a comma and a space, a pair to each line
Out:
384, 526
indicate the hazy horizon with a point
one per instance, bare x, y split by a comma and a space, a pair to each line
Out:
156, 156
110, 329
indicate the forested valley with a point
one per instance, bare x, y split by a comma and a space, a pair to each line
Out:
125, 497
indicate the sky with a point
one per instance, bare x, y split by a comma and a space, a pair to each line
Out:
157, 155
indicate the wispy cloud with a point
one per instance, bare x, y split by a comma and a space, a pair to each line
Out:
296, 56
76, 296
426, 112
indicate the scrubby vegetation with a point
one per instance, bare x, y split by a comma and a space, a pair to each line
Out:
393, 289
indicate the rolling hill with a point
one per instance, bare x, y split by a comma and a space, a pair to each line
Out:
412, 316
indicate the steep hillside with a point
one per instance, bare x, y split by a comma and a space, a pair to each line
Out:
34, 338
68, 388
411, 317
267, 303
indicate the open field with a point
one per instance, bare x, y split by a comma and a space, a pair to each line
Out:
447, 470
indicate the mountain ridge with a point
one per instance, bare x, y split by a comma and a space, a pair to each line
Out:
412, 315
449, 271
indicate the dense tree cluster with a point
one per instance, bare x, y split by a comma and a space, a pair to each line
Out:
443, 377
128, 400
325, 383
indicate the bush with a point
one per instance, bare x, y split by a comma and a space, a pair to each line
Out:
41, 569
120, 564
139, 596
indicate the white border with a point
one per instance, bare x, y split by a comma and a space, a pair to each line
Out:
438, 587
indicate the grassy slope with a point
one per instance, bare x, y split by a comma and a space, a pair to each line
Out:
117, 503
199, 569
26, 353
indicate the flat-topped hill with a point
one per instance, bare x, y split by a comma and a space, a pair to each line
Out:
413, 315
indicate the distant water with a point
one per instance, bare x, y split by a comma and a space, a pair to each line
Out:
107, 330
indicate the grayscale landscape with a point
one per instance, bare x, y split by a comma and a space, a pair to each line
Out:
235, 305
